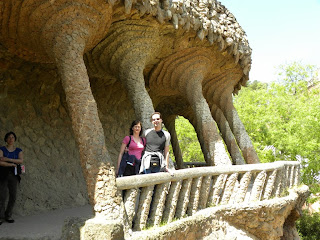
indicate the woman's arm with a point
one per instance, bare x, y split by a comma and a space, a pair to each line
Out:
122, 148
20, 158
7, 164
10, 160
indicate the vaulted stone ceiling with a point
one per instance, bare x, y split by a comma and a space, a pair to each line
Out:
129, 58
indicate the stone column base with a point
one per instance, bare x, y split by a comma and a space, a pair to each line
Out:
92, 229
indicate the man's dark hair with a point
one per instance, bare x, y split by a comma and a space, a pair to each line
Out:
135, 122
8, 134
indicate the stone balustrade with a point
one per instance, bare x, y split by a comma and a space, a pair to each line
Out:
154, 199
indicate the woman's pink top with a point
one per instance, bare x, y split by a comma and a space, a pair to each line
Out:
135, 148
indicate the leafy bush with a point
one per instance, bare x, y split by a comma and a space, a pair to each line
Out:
309, 226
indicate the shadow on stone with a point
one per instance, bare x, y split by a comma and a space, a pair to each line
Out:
94, 228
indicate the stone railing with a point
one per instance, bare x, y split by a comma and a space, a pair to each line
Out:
154, 199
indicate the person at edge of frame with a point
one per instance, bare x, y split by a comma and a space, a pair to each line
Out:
10, 158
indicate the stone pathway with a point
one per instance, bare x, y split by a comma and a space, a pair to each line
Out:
44, 226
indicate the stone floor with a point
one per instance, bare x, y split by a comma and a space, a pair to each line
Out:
44, 226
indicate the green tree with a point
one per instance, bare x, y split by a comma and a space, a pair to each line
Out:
309, 226
285, 115
188, 141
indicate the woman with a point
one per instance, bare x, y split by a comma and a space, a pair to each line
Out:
135, 144
10, 157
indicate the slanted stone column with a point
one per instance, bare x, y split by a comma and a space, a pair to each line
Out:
239, 131
67, 48
89, 134
96, 163
227, 135
170, 125
66, 35
125, 52
183, 73
60, 32
214, 150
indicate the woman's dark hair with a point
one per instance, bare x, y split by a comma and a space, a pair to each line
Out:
8, 134
135, 122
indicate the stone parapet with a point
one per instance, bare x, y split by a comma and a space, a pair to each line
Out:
163, 197
246, 221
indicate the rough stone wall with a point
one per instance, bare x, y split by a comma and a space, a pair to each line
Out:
34, 108
33, 105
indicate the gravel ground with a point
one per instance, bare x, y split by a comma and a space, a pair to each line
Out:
44, 226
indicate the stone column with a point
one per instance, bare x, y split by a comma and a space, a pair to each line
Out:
95, 160
239, 131
65, 44
214, 150
183, 73
60, 32
227, 135
132, 77
170, 125
125, 51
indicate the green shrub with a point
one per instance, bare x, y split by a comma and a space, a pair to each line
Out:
308, 226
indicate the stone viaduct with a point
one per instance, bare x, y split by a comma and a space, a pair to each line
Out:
75, 73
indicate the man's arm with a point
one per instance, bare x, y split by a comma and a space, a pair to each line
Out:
166, 156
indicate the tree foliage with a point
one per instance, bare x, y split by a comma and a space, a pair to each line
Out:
285, 115
308, 226
188, 141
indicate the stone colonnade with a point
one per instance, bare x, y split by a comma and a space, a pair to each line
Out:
142, 46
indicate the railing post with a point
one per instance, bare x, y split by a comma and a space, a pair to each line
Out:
244, 184
292, 176
279, 182
158, 203
228, 190
172, 200
130, 199
297, 175
285, 177
217, 187
258, 185
144, 207
184, 198
204, 193
270, 185
194, 196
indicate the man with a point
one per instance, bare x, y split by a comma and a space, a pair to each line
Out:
156, 155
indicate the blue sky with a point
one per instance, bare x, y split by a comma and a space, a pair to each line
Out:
279, 32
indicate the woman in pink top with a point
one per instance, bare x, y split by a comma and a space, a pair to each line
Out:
136, 146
